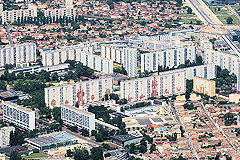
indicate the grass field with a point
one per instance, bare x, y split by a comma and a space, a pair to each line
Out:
224, 19
222, 12
189, 19
34, 155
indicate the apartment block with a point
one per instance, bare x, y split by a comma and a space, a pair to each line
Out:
19, 115
205, 86
223, 59
165, 84
167, 58
14, 15
123, 55
208, 71
18, 54
130, 61
60, 12
78, 53
5, 136
81, 92
76, 117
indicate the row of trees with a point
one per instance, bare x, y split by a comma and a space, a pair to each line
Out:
83, 154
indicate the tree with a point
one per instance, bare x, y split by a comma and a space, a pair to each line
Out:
13, 141
69, 153
132, 148
114, 96
73, 128
16, 138
187, 95
99, 137
85, 132
189, 10
57, 114
81, 154
93, 132
15, 156
229, 20
152, 148
97, 153
143, 149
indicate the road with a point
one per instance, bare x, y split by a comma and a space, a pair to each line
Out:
203, 12
8, 35
186, 135
209, 18
219, 129
234, 48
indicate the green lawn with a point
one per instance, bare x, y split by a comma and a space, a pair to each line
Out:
238, 45
224, 13
34, 155
224, 19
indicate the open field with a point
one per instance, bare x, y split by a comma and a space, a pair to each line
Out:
190, 19
222, 12
34, 155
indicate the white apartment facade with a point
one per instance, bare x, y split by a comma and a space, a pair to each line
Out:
18, 115
165, 84
18, 54
76, 117
124, 55
78, 53
157, 45
60, 12
156, 37
5, 136
81, 92
207, 71
167, 58
14, 15
130, 61
222, 59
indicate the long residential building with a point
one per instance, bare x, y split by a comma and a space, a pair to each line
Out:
18, 54
80, 92
123, 55
223, 59
78, 53
76, 117
165, 84
55, 57
60, 12
207, 71
15, 15
19, 115
167, 58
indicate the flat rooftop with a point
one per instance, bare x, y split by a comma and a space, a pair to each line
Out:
51, 139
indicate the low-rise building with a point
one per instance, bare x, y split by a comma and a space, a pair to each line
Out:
127, 139
53, 140
18, 115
